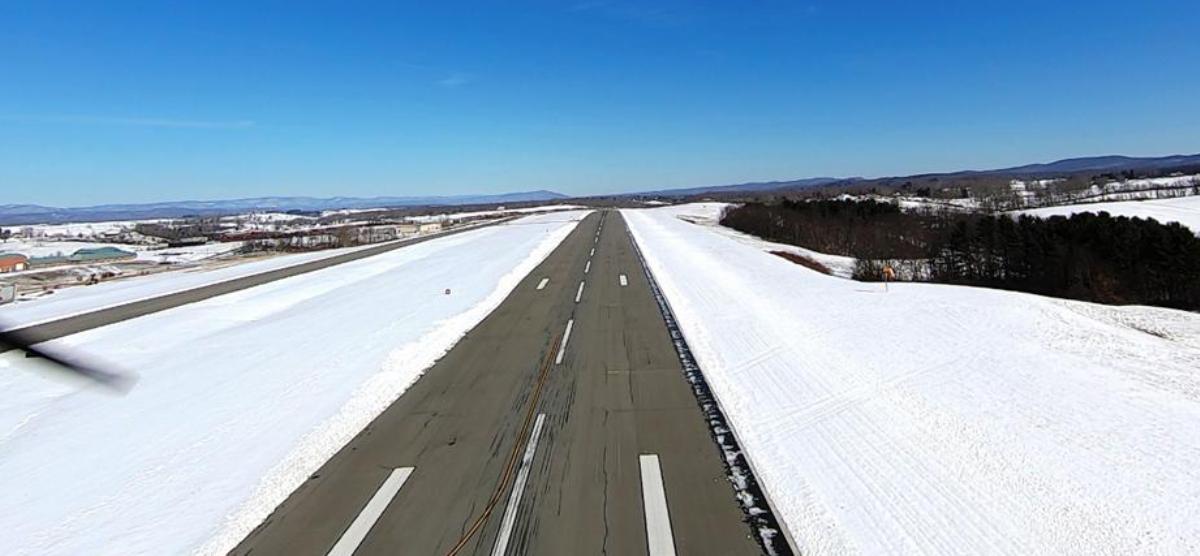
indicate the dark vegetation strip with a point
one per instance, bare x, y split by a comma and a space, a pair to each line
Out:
1090, 257
803, 261
750, 494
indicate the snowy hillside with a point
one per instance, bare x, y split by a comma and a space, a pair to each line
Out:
1184, 210
240, 397
938, 419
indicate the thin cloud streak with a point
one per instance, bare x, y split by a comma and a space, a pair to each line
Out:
131, 122
456, 79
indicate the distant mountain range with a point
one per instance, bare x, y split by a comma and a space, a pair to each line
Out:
1084, 165
1112, 163
33, 214
37, 214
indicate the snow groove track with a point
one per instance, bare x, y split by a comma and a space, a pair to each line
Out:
753, 499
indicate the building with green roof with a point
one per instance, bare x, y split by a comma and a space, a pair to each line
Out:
100, 254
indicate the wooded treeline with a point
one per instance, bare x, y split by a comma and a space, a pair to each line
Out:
1092, 257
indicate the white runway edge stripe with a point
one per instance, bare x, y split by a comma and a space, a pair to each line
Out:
366, 519
562, 348
654, 500
542, 284
624, 280
579, 294
514, 499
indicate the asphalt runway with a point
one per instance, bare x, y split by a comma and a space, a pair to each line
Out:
527, 438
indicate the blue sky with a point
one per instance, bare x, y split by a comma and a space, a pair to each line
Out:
131, 102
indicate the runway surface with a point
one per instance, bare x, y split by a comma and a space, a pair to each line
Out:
562, 424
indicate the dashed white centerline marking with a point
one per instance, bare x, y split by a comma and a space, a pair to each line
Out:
587, 267
366, 519
579, 294
562, 348
514, 499
543, 283
624, 281
593, 253
654, 501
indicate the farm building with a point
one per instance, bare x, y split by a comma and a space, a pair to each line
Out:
13, 262
383, 232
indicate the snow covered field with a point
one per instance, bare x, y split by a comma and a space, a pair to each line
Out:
82, 229
497, 212
191, 253
709, 214
1184, 210
70, 301
240, 397
158, 254
38, 248
941, 419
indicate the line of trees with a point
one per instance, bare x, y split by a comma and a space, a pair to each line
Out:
1092, 257
866, 229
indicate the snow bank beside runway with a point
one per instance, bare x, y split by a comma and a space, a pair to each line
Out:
938, 419
241, 396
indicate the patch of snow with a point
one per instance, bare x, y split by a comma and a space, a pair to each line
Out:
267, 221
940, 419
909, 203
497, 212
1184, 210
191, 253
272, 217
240, 397
160, 254
913, 202
1127, 190
325, 213
37, 248
78, 229
709, 215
